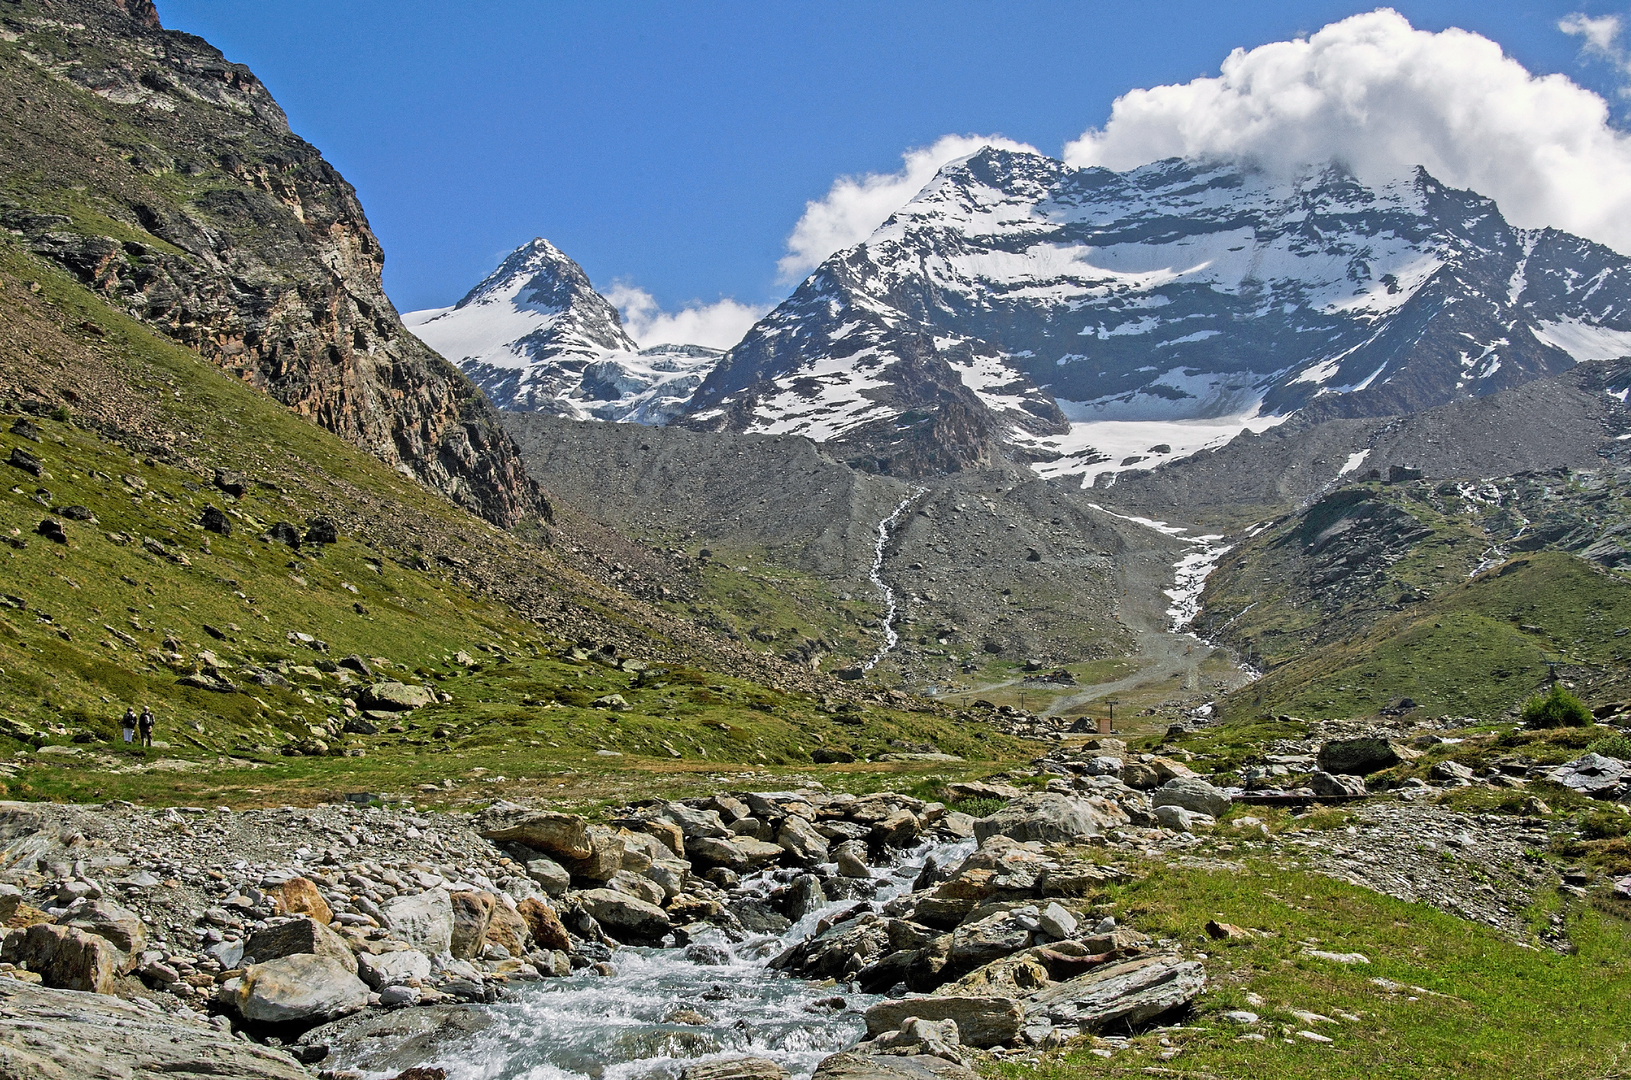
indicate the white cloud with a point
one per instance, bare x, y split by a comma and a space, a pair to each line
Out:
719, 325
856, 205
1600, 33
1380, 96
1600, 39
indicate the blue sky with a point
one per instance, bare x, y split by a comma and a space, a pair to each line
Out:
674, 146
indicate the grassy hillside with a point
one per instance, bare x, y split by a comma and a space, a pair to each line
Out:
129, 430
1476, 649
1458, 595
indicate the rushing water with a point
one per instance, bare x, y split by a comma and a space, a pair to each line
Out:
622, 1027
875, 575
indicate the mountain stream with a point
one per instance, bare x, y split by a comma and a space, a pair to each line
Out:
632, 1025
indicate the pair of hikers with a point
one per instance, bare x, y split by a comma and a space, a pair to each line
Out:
142, 724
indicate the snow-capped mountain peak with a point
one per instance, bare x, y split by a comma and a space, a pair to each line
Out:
1048, 299
537, 337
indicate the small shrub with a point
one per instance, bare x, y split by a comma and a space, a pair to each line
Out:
1614, 746
1605, 825
982, 807
1556, 708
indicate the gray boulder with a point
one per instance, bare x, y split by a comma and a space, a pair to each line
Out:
692, 822
742, 1068
993, 937
710, 851
1331, 786
65, 957
401, 968
800, 840
1178, 819
1193, 794
560, 836
1595, 775
550, 875
851, 859
1051, 818
625, 916
1121, 994
302, 935
981, 1021
852, 1066
300, 989
422, 920
1360, 757
395, 697
118, 925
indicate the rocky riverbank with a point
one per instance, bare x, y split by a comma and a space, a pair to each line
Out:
364, 939
271, 924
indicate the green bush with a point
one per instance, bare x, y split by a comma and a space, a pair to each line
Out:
981, 807
1604, 825
1556, 708
1614, 746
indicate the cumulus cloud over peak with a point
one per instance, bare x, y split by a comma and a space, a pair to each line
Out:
856, 205
719, 325
1382, 97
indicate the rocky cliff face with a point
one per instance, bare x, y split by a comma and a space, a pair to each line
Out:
168, 179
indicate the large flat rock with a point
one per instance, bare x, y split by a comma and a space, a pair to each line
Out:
71, 1035
848, 1066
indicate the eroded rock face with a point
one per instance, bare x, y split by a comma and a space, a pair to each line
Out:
85, 1037
252, 249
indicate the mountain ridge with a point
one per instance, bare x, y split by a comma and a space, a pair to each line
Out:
1058, 297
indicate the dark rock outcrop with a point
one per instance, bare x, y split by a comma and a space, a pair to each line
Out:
205, 217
